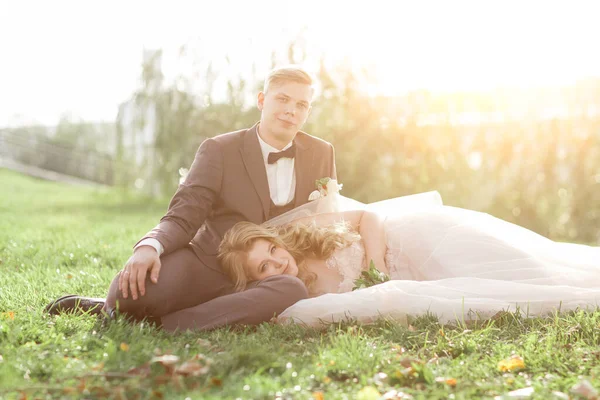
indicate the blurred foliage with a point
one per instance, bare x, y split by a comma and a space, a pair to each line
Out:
166, 124
529, 156
540, 172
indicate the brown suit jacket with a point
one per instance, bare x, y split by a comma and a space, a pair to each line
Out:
227, 183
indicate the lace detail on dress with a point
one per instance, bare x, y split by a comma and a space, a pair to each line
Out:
349, 262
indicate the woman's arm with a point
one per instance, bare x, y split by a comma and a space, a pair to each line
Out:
368, 224
372, 231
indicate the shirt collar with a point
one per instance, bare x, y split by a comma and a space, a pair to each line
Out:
266, 148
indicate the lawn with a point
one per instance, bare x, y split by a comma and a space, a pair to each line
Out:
57, 239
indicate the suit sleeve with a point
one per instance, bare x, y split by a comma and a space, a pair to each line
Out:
193, 201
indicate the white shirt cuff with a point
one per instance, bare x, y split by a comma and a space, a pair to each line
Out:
152, 243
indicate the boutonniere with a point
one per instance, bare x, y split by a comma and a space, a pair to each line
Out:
325, 186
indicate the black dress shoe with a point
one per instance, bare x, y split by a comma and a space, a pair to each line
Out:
75, 304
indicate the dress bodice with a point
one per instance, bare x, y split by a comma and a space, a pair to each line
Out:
350, 261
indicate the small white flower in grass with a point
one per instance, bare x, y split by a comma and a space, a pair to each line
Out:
517, 394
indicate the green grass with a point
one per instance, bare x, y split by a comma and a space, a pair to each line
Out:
57, 239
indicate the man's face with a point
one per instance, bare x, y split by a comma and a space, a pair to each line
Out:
284, 109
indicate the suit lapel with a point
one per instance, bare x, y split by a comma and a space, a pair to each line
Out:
304, 160
255, 165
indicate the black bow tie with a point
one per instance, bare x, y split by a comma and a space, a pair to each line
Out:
288, 153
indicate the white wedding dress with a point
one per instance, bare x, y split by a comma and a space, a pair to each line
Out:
459, 265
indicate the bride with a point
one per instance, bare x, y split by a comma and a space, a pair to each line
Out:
455, 263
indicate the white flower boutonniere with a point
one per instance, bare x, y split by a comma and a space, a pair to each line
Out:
325, 186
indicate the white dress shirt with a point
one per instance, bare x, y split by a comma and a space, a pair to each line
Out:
280, 176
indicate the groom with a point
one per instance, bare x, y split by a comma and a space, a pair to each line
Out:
249, 175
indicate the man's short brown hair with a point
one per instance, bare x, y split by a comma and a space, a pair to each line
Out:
289, 73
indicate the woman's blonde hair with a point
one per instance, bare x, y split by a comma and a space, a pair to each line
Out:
301, 241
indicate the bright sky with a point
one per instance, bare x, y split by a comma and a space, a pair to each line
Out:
84, 57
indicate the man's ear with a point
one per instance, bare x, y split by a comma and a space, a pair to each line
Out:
260, 101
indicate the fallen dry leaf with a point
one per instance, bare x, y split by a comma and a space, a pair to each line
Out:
517, 394
434, 360
9, 314
448, 381
396, 395
177, 382
318, 396
143, 370
98, 367
585, 390
99, 391
191, 368
166, 359
70, 390
407, 362
368, 393
560, 395
515, 363
120, 393
380, 378
403, 373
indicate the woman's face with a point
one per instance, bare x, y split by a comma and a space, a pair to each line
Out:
267, 259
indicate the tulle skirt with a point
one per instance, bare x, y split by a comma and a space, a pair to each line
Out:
451, 300
460, 265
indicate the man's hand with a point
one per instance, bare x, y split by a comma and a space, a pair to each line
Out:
134, 273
